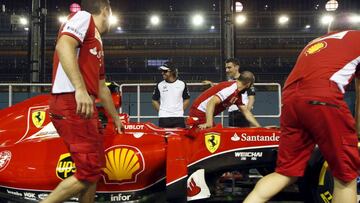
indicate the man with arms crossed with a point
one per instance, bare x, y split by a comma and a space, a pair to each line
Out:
217, 98
78, 78
314, 113
236, 117
170, 98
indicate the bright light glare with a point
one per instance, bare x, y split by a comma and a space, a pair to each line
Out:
113, 20
354, 19
331, 5
326, 19
212, 27
23, 21
283, 19
240, 19
198, 20
307, 26
155, 20
62, 19
238, 7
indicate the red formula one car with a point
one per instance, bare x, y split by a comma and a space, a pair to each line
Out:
147, 163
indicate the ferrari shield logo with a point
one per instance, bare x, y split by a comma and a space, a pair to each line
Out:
38, 118
212, 141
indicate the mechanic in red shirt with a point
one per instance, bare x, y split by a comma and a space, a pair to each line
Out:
219, 97
314, 113
78, 78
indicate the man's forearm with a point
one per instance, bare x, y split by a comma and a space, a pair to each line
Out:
251, 102
210, 108
156, 105
107, 102
186, 103
250, 117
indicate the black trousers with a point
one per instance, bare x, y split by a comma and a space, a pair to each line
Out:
237, 119
172, 122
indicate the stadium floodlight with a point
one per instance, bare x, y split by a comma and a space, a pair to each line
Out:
198, 20
119, 28
62, 19
240, 19
307, 26
113, 20
26, 28
212, 27
283, 19
23, 21
238, 7
326, 19
155, 20
331, 5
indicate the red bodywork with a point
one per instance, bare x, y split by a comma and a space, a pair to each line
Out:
33, 158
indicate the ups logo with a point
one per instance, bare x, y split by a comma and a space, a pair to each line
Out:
65, 167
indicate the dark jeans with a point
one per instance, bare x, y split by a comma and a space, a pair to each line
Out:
237, 119
172, 122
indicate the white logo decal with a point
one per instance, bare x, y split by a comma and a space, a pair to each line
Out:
93, 51
235, 138
134, 127
252, 155
5, 157
120, 197
197, 187
259, 138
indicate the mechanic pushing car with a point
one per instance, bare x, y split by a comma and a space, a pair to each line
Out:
78, 78
217, 98
314, 113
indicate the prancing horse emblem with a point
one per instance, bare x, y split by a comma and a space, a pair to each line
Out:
38, 118
212, 141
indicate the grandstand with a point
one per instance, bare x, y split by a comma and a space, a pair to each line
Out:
134, 47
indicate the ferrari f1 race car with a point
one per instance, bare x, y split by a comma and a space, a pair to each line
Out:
147, 163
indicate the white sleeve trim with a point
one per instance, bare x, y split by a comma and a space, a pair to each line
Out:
78, 25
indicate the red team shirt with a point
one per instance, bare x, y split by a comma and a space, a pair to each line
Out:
327, 58
227, 93
314, 112
90, 54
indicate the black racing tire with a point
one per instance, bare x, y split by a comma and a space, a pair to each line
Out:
317, 183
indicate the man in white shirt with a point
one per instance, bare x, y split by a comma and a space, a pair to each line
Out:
170, 98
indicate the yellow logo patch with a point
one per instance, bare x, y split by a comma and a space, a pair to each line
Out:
316, 48
123, 164
212, 141
65, 167
38, 118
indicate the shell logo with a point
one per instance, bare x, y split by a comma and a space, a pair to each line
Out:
123, 164
316, 48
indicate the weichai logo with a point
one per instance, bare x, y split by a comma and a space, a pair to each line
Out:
123, 164
65, 166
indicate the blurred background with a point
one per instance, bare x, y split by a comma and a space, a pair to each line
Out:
197, 35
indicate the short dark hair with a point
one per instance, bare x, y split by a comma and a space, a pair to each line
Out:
94, 6
233, 60
172, 68
342, 21
247, 77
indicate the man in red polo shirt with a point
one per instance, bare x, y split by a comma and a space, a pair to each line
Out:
315, 113
78, 78
219, 97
